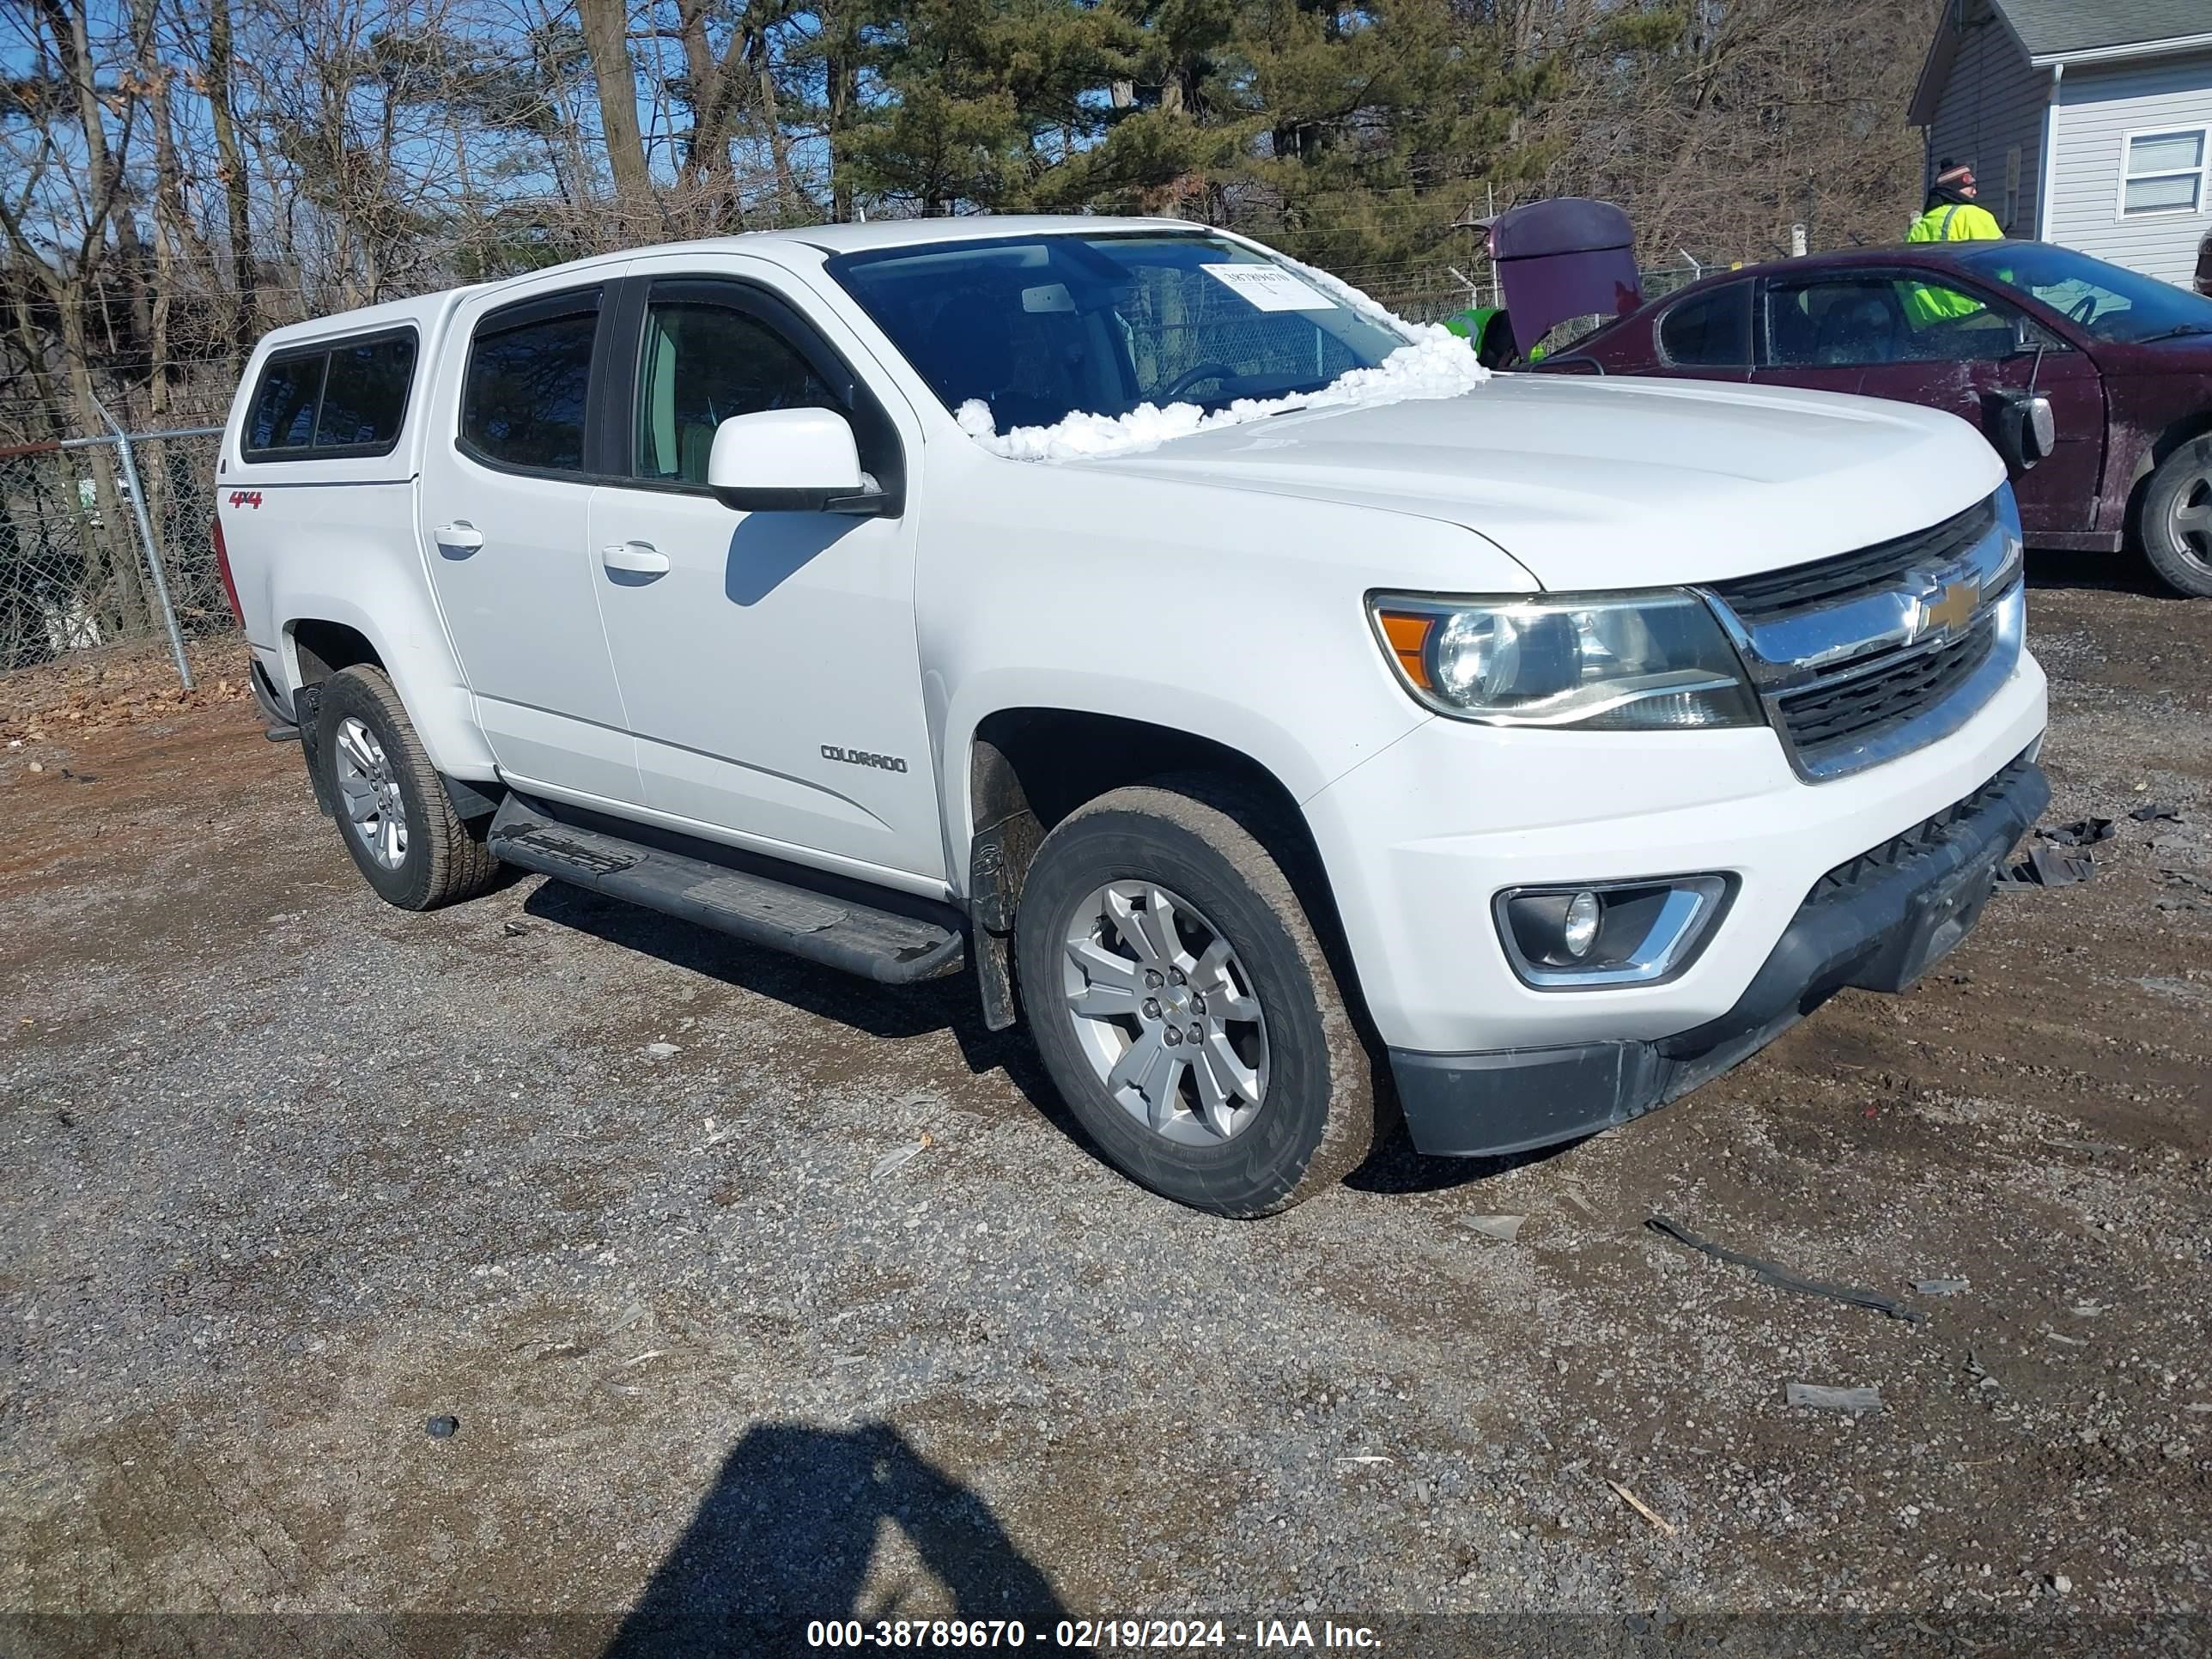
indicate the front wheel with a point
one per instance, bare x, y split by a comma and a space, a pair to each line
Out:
1181, 1000
2177, 518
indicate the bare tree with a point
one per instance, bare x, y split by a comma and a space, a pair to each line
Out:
57, 229
606, 30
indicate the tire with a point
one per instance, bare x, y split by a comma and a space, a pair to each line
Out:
2177, 518
1205, 853
366, 744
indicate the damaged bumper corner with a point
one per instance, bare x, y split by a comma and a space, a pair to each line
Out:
1875, 922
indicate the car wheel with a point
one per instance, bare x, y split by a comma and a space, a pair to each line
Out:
2177, 518
1184, 1006
392, 806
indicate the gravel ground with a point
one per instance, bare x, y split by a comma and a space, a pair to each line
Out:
284, 1174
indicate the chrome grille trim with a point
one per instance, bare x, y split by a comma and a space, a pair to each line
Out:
1802, 587
1853, 675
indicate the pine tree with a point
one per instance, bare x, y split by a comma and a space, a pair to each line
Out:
976, 101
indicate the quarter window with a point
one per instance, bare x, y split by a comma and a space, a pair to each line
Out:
1709, 329
2164, 171
529, 377
703, 363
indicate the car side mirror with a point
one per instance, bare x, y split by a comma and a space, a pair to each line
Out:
2024, 428
2039, 429
791, 460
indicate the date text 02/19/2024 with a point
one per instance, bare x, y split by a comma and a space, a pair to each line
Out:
1108, 1635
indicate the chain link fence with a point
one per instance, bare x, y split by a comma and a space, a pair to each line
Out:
105, 541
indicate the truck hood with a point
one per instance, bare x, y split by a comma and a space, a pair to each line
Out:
1614, 482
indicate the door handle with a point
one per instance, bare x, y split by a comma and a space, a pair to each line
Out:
460, 534
637, 558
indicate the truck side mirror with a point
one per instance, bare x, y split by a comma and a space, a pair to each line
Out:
790, 460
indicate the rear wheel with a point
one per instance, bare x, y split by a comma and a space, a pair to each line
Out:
1181, 999
394, 812
2177, 518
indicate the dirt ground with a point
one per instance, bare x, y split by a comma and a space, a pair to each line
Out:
284, 1174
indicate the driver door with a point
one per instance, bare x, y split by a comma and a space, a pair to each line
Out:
1925, 338
1966, 350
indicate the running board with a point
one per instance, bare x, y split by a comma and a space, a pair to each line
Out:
878, 944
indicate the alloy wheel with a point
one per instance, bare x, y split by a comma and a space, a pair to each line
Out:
375, 811
2189, 518
1165, 1012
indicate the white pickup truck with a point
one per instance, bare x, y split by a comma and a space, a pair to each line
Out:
1286, 722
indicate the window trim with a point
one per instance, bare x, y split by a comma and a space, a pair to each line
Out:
873, 429
1749, 287
2202, 172
325, 350
521, 313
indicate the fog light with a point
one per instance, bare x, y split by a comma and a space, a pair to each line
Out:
1579, 930
1615, 933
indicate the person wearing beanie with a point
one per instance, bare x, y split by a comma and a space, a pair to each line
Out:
1952, 215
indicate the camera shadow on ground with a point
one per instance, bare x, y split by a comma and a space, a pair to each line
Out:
792, 1532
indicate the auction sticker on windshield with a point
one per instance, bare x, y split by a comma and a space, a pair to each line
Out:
1270, 287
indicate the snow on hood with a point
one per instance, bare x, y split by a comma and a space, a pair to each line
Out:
1435, 363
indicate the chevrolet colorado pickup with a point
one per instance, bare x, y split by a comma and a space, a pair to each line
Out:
1292, 726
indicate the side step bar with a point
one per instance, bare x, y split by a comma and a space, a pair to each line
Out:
878, 944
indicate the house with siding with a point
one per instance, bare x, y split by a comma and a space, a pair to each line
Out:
2088, 123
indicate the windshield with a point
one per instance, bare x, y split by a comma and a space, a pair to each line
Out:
2123, 306
1038, 328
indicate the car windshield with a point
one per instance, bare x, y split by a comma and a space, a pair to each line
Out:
2109, 303
1038, 328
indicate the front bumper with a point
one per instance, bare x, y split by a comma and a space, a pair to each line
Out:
1875, 922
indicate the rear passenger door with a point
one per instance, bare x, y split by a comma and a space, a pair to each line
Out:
508, 475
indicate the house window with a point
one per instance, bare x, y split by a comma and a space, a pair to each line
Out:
2164, 171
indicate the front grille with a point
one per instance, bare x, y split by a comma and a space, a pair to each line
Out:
1871, 654
1831, 715
1780, 595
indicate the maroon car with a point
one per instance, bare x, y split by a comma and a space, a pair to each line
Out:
2093, 382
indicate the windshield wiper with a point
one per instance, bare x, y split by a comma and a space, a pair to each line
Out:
2176, 332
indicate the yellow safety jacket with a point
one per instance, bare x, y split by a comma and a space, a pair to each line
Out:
1947, 221
1955, 221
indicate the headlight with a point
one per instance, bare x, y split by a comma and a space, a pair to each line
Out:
1654, 661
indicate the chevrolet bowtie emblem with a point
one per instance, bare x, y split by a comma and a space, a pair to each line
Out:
1948, 608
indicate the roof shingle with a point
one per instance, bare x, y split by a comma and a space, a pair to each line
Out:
2054, 28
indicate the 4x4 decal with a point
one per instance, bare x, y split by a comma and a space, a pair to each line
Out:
246, 498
